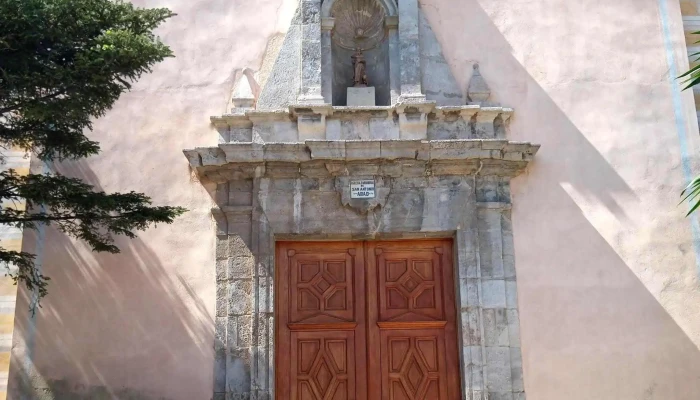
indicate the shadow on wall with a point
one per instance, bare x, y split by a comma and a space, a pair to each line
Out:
590, 327
105, 318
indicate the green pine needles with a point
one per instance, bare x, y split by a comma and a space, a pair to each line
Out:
62, 64
692, 191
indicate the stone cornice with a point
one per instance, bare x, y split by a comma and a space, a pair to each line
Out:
247, 118
380, 157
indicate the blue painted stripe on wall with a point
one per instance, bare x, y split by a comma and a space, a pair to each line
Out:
681, 130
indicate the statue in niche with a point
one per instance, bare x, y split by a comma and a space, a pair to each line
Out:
360, 67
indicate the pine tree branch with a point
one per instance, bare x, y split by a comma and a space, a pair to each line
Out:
63, 64
18, 106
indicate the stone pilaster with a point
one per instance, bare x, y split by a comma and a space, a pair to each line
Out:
327, 25
311, 53
392, 25
409, 44
496, 337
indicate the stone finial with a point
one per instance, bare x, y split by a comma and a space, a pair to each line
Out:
478, 91
242, 97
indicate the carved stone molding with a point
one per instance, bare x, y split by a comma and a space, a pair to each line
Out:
402, 121
335, 158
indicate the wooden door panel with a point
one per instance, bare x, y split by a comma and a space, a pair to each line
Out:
324, 367
322, 287
413, 364
321, 322
410, 285
412, 320
366, 320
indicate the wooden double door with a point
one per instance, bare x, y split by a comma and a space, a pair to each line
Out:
366, 321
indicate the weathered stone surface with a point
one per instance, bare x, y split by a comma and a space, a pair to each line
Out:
438, 82
284, 81
424, 187
498, 369
361, 96
496, 331
239, 297
494, 293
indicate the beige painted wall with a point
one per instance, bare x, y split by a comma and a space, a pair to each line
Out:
608, 281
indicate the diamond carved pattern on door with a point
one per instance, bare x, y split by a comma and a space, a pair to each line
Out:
414, 366
323, 288
321, 321
413, 324
325, 365
366, 320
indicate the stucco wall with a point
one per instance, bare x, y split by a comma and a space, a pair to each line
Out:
608, 284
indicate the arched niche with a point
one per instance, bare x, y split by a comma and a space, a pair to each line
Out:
367, 24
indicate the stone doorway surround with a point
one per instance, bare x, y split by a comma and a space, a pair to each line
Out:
425, 187
442, 169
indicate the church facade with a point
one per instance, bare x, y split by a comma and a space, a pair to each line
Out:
413, 199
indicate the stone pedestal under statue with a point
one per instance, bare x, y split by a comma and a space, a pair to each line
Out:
361, 96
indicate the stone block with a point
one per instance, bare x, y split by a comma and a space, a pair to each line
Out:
496, 329
475, 370
403, 211
221, 300
333, 130
310, 12
348, 130
516, 366
266, 301
500, 395
311, 127
513, 328
478, 395
511, 295
361, 97
240, 297
409, 183
231, 335
241, 267
471, 327
239, 245
244, 332
493, 144
383, 128
391, 169
469, 291
493, 293
490, 243
243, 152
221, 270
483, 126
498, 369
326, 150
362, 150
219, 372
413, 126
220, 334
240, 199
286, 152
238, 369
241, 135
397, 149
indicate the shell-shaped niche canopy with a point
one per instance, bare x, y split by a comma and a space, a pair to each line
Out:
359, 24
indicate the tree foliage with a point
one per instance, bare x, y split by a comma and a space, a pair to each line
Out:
64, 63
692, 192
